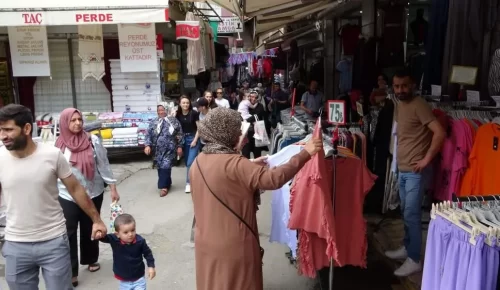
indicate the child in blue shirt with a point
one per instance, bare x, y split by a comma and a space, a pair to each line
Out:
129, 250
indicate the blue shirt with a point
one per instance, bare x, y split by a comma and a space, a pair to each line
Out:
313, 101
128, 262
345, 81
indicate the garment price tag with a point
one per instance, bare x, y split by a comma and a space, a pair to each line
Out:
436, 90
497, 100
473, 97
336, 112
359, 108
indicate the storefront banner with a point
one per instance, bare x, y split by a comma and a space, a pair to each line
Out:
29, 51
91, 51
137, 47
103, 4
83, 17
159, 45
189, 30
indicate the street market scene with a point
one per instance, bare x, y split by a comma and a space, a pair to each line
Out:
250, 145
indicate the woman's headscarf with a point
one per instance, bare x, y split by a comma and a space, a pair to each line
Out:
220, 130
80, 145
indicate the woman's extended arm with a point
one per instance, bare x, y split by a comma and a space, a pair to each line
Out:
262, 177
104, 168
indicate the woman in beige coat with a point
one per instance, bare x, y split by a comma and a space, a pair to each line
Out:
227, 251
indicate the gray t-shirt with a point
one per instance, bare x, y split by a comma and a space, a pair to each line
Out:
313, 102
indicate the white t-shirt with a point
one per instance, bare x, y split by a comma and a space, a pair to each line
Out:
29, 187
223, 103
280, 204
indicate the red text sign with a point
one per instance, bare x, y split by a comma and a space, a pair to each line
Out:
189, 30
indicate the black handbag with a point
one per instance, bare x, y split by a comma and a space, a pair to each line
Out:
256, 235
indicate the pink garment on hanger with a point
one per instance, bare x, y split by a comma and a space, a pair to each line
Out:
311, 212
350, 225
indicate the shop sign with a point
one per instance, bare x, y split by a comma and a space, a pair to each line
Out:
230, 25
159, 46
137, 47
189, 30
29, 51
336, 112
83, 17
51, 4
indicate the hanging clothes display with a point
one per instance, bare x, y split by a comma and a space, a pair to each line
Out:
464, 41
194, 51
344, 67
462, 253
349, 34
312, 213
434, 48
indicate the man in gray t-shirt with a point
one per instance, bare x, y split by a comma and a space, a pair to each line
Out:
312, 100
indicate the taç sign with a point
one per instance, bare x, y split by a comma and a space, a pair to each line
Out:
189, 30
29, 51
137, 48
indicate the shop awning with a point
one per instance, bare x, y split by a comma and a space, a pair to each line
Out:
275, 20
82, 17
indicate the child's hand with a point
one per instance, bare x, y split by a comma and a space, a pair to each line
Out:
151, 273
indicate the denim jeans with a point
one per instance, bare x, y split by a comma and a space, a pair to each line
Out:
412, 187
133, 285
190, 153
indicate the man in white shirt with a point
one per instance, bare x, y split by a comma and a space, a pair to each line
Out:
220, 100
36, 229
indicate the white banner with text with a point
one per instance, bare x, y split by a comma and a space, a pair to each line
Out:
29, 51
137, 47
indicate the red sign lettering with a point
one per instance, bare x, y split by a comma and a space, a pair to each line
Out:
32, 18
186, 31
94, 17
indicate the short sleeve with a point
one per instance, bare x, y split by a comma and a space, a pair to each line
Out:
424, 113
63, 167
196, 116
304, 97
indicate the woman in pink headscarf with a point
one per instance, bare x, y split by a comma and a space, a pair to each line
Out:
89, 163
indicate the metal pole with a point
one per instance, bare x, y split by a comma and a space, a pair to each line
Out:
335, 154
72, 70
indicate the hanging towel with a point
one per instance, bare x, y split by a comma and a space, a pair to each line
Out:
91, 51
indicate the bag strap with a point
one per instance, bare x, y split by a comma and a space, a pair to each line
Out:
228, 208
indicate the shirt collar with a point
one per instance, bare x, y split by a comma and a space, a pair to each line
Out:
133, 242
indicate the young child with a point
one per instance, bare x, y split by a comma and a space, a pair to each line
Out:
129, 250
244, 108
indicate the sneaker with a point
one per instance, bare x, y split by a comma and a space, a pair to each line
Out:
188, 188
399, 254
409, 267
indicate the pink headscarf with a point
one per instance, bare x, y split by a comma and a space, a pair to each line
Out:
80, 145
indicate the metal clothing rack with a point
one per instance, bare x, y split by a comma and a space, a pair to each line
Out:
475, 198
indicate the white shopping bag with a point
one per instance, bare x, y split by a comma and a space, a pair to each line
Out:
116, 210
260, 135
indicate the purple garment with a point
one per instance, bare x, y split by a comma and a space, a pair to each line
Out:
491, 260
463, 265
438, 238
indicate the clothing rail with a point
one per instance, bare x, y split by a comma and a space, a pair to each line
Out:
474, 198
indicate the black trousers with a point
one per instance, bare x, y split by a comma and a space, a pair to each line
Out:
74, 215
250, 148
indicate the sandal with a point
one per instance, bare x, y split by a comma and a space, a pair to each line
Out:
163, 192
74, 281
96, 267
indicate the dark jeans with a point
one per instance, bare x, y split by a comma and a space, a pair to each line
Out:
74, 215
250, 148
164, 178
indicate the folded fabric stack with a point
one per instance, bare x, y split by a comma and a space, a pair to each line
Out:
122, 137
111, 120
138, 119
